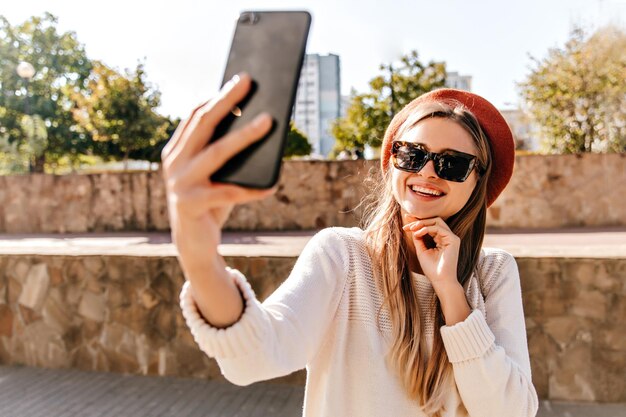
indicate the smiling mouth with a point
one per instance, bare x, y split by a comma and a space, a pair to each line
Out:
426, 192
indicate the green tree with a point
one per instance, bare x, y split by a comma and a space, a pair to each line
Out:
577, 94
119, 108
369, 114
152, 153
61, 64
297, 142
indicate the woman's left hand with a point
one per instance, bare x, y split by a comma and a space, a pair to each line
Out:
439, 264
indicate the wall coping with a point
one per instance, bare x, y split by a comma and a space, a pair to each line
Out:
570, 243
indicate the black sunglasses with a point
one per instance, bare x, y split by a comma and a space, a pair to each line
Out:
449, 165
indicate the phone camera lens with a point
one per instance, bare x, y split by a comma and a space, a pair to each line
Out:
249, 18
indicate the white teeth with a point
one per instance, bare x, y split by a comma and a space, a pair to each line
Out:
423, 190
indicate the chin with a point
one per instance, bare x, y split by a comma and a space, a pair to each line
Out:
421, 213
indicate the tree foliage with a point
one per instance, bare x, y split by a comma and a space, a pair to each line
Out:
118, 108
60, 63
297, 142
369, 114
577, 94
72, 106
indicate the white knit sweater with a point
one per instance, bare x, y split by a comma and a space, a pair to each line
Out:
323, 317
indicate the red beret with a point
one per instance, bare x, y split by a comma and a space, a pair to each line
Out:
490, 120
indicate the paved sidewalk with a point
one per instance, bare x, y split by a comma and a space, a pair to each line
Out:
34, 392
573, 242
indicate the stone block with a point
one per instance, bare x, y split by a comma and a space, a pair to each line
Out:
73, 295
119, 339
554, 303
90, 331
617, 307
92, 306
163, 322
193, 362
28, 315
538, 345
149, 298
121, 363
56, 276
55, 314
115, 296
36, 287
6, 321
167, 362
83, 358
94, 265
612, 337
44, 347
572, 377
75, 273
162, 286
20, 271
562, 330
143, 353
591, 304
134, 316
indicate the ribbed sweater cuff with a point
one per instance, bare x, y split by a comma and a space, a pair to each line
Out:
240, 338
469, 339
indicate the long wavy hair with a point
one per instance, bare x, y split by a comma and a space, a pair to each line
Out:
426, 379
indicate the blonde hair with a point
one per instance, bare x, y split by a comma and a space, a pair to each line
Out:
425, 380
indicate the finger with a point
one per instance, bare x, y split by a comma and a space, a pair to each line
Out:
227, 193
442, 223
441, 236
175, 139
202, 125
212, 157
433, 221
221, 195
420, 245
426, 230
418, 224
427, 238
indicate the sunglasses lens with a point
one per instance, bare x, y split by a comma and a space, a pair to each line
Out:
410, 158
453, 168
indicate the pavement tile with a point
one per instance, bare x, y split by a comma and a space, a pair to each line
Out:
36, 392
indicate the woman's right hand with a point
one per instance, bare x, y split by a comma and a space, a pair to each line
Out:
198, 208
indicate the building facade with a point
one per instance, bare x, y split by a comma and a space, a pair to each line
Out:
318, 101
460, 82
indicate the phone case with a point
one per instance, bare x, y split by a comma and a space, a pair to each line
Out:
270, 46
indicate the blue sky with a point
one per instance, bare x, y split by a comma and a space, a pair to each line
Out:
184, 43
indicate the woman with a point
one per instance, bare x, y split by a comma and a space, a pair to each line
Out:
407, 317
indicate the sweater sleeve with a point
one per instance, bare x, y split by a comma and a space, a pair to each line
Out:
282, 334
489, 356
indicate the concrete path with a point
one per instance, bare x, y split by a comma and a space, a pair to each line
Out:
34, 392
581, 242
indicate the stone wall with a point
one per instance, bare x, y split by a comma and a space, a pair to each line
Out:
115, 313
546, 191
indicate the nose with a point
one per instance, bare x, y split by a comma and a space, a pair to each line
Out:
429, 170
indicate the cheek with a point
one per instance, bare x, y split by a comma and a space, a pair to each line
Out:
397, 184
464, 190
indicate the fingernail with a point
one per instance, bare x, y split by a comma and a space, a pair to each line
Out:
231, 83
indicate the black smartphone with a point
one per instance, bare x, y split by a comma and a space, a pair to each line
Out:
270, 46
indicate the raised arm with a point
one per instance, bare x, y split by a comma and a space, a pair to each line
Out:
284, 333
